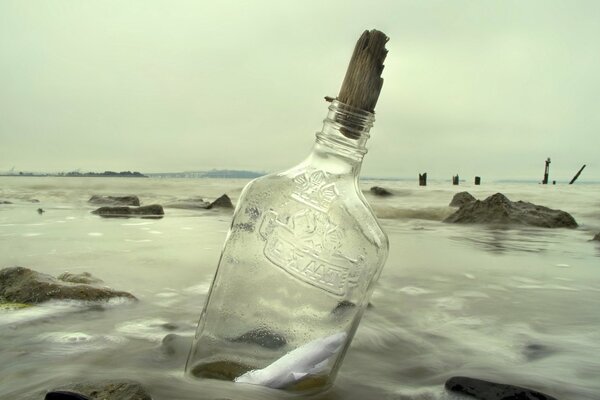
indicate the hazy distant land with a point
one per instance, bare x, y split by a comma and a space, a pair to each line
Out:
214, 173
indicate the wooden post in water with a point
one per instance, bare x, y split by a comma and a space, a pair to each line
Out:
478, 180
546, 172
423, 179
576, 175
455, 180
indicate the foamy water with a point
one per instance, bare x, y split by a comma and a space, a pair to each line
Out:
517, 305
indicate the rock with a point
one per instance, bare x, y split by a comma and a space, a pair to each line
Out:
115, 200
5, 202
462, 198
379, 191
176, 345
222, 202
65, 395
597, 237
262, 337
23, 285
484, 390
84, 277
12, 306
498, 209
34, 201
104, 390
40, 211
190, 204
151, 211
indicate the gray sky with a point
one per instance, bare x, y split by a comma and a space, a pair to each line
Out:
486, 88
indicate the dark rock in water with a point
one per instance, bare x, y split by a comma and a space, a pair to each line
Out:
189, 204
40, 211
222, 202
115, 200
462, 198
484, 390
342, 307
84, 277
105, 390
5, 202
262, 337
23, 285
34, 201
535, 351
65, 395
176, 345
379, 191
597, 237
151, 211
497, 209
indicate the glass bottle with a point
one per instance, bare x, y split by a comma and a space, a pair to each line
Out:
297, 269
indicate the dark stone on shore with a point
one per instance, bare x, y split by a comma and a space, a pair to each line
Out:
262, 337
23, 285
222, 202
497, 209
462, 198
379, 191
150, 211
105, 390
484, 390
84, 277
597, 237
115, 200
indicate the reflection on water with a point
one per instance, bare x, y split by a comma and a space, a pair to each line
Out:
517, 305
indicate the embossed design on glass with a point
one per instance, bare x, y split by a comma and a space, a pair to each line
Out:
307, 246
314, 190
297, 268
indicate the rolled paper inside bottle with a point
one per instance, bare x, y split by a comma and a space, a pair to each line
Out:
308, 359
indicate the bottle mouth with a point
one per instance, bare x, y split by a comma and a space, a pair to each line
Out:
354, 123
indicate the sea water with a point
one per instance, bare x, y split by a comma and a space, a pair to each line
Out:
510, 304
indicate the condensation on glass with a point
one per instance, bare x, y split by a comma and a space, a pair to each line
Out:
298, 265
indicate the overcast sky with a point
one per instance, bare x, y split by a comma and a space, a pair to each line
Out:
486, 88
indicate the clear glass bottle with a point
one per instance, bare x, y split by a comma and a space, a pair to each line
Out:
298, 266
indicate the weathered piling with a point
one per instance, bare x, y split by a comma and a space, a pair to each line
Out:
423, 179
546, 172
455, 180
478, 180
576, 175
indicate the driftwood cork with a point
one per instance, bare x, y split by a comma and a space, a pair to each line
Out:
363, 82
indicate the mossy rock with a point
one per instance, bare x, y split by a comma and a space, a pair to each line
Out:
13, 306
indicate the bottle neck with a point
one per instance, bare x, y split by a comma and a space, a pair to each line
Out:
341, 145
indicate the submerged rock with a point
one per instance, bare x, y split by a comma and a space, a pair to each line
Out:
24, 285
115, 200
40, 211
103, 390
151, 211
222, 202
176, 345
461, 198
484, 390
5, 202
190, 204
498, 209
84, 277
262, 337
379, 191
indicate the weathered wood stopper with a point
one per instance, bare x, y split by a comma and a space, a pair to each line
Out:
363, 81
